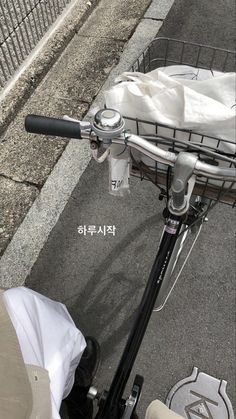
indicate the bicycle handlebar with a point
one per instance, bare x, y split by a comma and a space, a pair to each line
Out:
52, 126
169, 158
71, 129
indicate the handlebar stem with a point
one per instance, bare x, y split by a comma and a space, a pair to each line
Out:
183, 170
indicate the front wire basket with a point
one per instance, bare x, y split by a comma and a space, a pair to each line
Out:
163, 52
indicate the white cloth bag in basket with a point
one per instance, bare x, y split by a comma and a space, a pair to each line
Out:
169, 96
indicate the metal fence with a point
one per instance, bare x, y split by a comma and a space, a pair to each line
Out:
23, 23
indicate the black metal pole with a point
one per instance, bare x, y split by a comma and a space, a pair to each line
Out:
110, 409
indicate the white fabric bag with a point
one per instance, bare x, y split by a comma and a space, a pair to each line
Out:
181, 97
48, 338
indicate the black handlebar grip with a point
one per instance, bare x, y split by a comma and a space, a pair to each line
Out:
52, 126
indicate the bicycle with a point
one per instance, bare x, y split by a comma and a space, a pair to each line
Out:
191, 169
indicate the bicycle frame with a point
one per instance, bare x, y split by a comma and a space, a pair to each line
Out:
113, 405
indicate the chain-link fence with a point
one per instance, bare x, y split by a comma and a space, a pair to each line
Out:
23, 23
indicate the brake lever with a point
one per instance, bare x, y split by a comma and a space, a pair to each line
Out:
83, 124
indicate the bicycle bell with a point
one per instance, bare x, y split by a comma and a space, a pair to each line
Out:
108, 123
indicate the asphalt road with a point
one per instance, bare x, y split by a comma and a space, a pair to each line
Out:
101, 278
209, 22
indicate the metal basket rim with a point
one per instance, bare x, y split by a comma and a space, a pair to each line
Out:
163, 38
193, 43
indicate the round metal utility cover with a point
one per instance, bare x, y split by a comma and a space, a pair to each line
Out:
200, 396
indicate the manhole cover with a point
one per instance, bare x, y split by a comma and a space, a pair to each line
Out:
200, 396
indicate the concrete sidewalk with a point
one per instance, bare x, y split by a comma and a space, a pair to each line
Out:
70, 87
